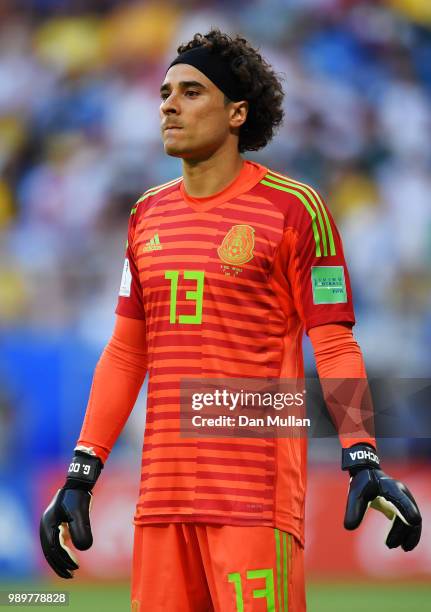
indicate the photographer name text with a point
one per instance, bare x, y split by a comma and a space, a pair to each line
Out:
245, 421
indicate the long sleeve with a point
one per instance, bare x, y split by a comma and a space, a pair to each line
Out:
339, 357
118, 378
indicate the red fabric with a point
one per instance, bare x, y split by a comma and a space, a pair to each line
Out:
117, 380
292, 267
204, 273
338, 356
184, 566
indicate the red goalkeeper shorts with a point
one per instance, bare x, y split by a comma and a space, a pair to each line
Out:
187, 567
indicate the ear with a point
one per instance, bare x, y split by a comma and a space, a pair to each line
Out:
238, 113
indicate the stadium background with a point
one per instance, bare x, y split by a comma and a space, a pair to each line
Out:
79, 142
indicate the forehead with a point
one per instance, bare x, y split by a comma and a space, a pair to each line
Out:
183, 72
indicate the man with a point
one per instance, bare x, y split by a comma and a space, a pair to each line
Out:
224, 270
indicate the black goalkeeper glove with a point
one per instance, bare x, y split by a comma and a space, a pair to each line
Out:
370, 486
67, 516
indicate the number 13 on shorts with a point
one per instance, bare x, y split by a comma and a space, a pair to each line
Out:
267, 591
270, 584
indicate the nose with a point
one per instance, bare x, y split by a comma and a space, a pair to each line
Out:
169, 105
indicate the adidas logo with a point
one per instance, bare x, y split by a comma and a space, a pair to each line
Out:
153, 244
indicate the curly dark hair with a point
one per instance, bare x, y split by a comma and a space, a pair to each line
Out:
262, 89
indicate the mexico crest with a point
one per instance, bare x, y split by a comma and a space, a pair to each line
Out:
237, 246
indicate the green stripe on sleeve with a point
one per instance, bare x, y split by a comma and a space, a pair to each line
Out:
317, 201
329, 228
312, 199
154, 191
310, 210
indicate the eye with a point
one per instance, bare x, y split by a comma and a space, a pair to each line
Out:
190, 93
164, 96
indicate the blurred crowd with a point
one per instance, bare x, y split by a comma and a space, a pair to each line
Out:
79, 141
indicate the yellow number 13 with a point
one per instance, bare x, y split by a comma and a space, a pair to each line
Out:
196, 295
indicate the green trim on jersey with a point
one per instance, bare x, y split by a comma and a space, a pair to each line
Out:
310, 210
277, 179
317, 204
154, 191
312, 194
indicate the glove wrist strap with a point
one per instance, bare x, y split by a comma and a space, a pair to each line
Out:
359, 456
83, 472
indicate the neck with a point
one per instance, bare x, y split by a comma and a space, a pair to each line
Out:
204, 178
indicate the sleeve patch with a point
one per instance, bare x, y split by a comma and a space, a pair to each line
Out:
126, 280
329, 285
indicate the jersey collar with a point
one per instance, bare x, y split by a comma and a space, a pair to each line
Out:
251, 174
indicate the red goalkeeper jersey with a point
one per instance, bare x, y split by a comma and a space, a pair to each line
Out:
227, 284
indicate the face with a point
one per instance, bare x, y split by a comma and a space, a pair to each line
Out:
195, 119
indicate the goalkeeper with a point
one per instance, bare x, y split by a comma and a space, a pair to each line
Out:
225, 269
